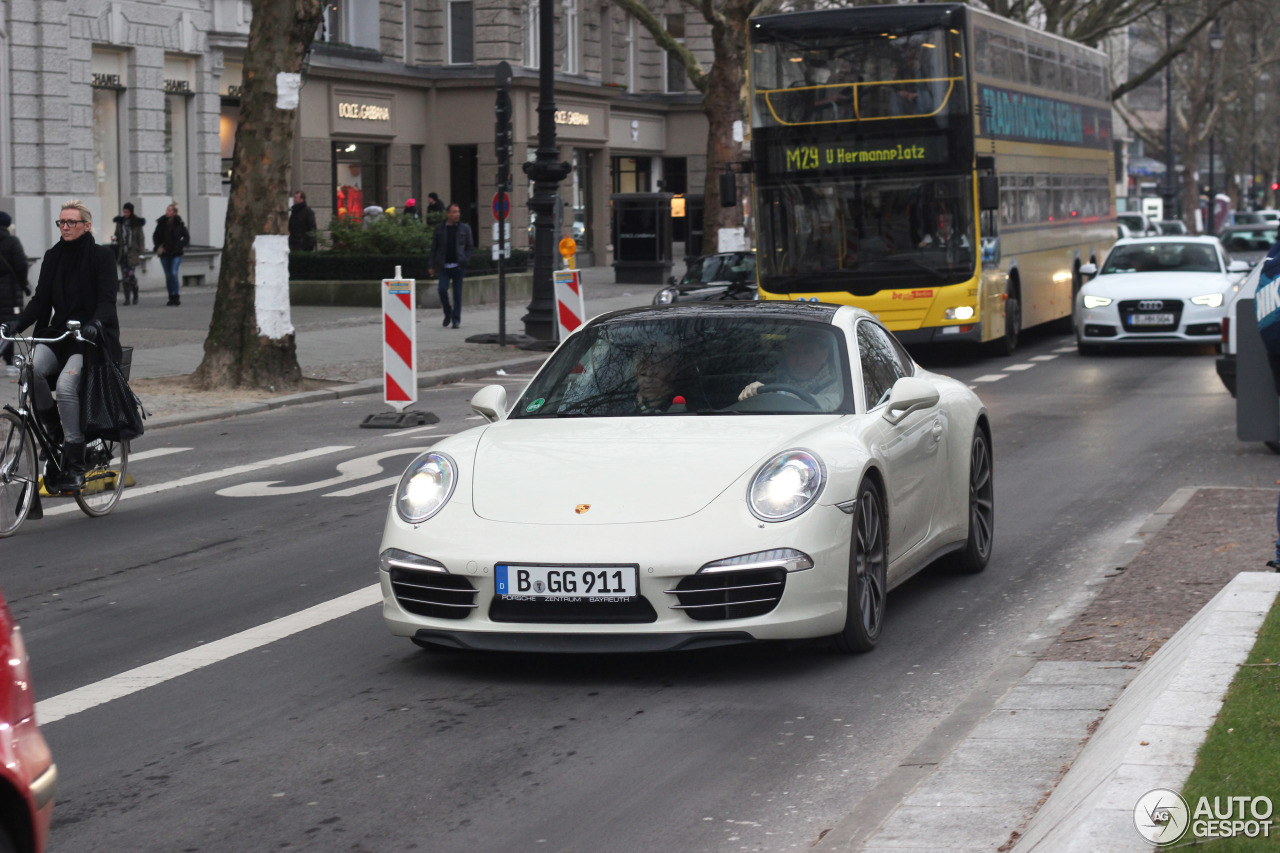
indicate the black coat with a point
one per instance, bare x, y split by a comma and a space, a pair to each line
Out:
77, 282
172, 236
13, 274
302, 224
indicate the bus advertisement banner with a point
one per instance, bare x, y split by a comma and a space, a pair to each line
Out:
1032, 118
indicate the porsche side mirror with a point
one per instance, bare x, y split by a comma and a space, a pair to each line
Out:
910, 394
490, 402
1088, 269
1238, 266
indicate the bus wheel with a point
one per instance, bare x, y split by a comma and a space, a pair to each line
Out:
1012, 323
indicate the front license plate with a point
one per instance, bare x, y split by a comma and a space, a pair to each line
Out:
1151, 320
566, 583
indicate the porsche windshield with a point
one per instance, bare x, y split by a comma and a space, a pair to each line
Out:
693, 365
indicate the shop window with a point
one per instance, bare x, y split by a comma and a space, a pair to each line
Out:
462, 49
228, 121
175, 148
632, 174
532, 34
106, 147
359, 178
353, 22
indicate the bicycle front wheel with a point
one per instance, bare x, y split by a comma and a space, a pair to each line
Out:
108, 465
18, 476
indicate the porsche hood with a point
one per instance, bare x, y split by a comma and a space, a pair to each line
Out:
620, 470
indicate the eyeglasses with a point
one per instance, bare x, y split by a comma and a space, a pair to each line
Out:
67, 223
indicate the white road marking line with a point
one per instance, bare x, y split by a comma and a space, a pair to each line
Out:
118, 686
1065, 349
352, 469
156, 453
195, 479
364, 487
1043, 357
398, 433
1018, 367
992, 377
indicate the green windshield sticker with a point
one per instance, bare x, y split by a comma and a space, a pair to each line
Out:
535, 405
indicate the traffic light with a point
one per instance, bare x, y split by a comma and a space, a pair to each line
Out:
503, 139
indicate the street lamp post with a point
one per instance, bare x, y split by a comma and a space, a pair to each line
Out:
546, 171
1215, 44
1170, 188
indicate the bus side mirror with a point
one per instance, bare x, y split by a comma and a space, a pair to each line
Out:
988, 192
728, 190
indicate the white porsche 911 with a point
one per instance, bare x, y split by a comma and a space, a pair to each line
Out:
692, 476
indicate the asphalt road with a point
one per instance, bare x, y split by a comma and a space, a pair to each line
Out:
324, 733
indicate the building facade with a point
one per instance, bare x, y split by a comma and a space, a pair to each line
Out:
113, 101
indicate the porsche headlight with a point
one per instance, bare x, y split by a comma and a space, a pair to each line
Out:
426, 487
786, 486
1097, 301
1209, 300
665, 296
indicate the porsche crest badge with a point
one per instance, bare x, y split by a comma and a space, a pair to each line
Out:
581, 508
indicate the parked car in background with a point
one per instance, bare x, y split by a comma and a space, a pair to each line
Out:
28, 776
1255, 217
1156, 290
1226, 363
1171, 227
1138, 224
724, 277
1248, 243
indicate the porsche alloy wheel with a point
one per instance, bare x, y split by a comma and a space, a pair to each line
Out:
982, 507
868, 574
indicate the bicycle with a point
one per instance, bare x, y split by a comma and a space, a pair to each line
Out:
21, 485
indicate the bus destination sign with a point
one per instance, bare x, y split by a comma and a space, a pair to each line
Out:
855, 156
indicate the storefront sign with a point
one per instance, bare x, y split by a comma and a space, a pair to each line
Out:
106, 81
573, 118
363, 112
181, 87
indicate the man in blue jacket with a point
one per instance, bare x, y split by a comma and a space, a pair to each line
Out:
450, 251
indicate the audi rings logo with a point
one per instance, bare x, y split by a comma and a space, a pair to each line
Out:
1161, 816
1150, 305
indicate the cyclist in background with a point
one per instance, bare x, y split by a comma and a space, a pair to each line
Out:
77, 282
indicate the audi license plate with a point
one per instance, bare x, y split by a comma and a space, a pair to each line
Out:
1151, 320
566, 583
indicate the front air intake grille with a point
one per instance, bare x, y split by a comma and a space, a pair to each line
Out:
714, 596
571, 611
435, 594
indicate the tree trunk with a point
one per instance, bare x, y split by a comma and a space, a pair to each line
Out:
722, 104
236, 352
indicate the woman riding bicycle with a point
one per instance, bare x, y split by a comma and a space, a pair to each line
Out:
77, 282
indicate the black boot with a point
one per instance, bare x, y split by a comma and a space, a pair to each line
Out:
73, 468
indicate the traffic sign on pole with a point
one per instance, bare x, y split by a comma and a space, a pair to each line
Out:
501, 206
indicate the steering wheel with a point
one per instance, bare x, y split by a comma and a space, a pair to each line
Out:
792, 390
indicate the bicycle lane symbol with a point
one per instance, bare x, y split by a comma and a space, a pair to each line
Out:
349, 471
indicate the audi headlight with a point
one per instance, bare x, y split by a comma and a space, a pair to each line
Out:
426, 487
1209, 300
1097, 301
786, 486
665, 296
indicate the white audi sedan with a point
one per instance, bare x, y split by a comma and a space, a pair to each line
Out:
1156, 290
691, 476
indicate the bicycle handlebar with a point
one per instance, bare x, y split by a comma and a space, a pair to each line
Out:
67, 334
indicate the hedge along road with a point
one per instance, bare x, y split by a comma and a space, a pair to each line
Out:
337, 736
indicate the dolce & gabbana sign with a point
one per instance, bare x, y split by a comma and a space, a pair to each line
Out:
362, 112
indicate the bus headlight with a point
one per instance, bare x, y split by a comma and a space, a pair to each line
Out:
1097, 301
964, 312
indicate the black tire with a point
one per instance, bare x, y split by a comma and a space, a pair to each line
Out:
1008, 344
1088, 349
1273, 446
982, 507
104, 482
19, 474
868, 573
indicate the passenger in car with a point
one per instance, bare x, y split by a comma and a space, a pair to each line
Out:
657, 371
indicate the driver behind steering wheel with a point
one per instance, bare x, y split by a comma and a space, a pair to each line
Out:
806, 364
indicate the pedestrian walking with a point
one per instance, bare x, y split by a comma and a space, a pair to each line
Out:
13, 282
411, 209
434, 204
77, 282
130, 241
302, 225
170, 240
1266, 303
450, 250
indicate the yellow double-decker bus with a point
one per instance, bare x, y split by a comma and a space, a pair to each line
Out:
946, 169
